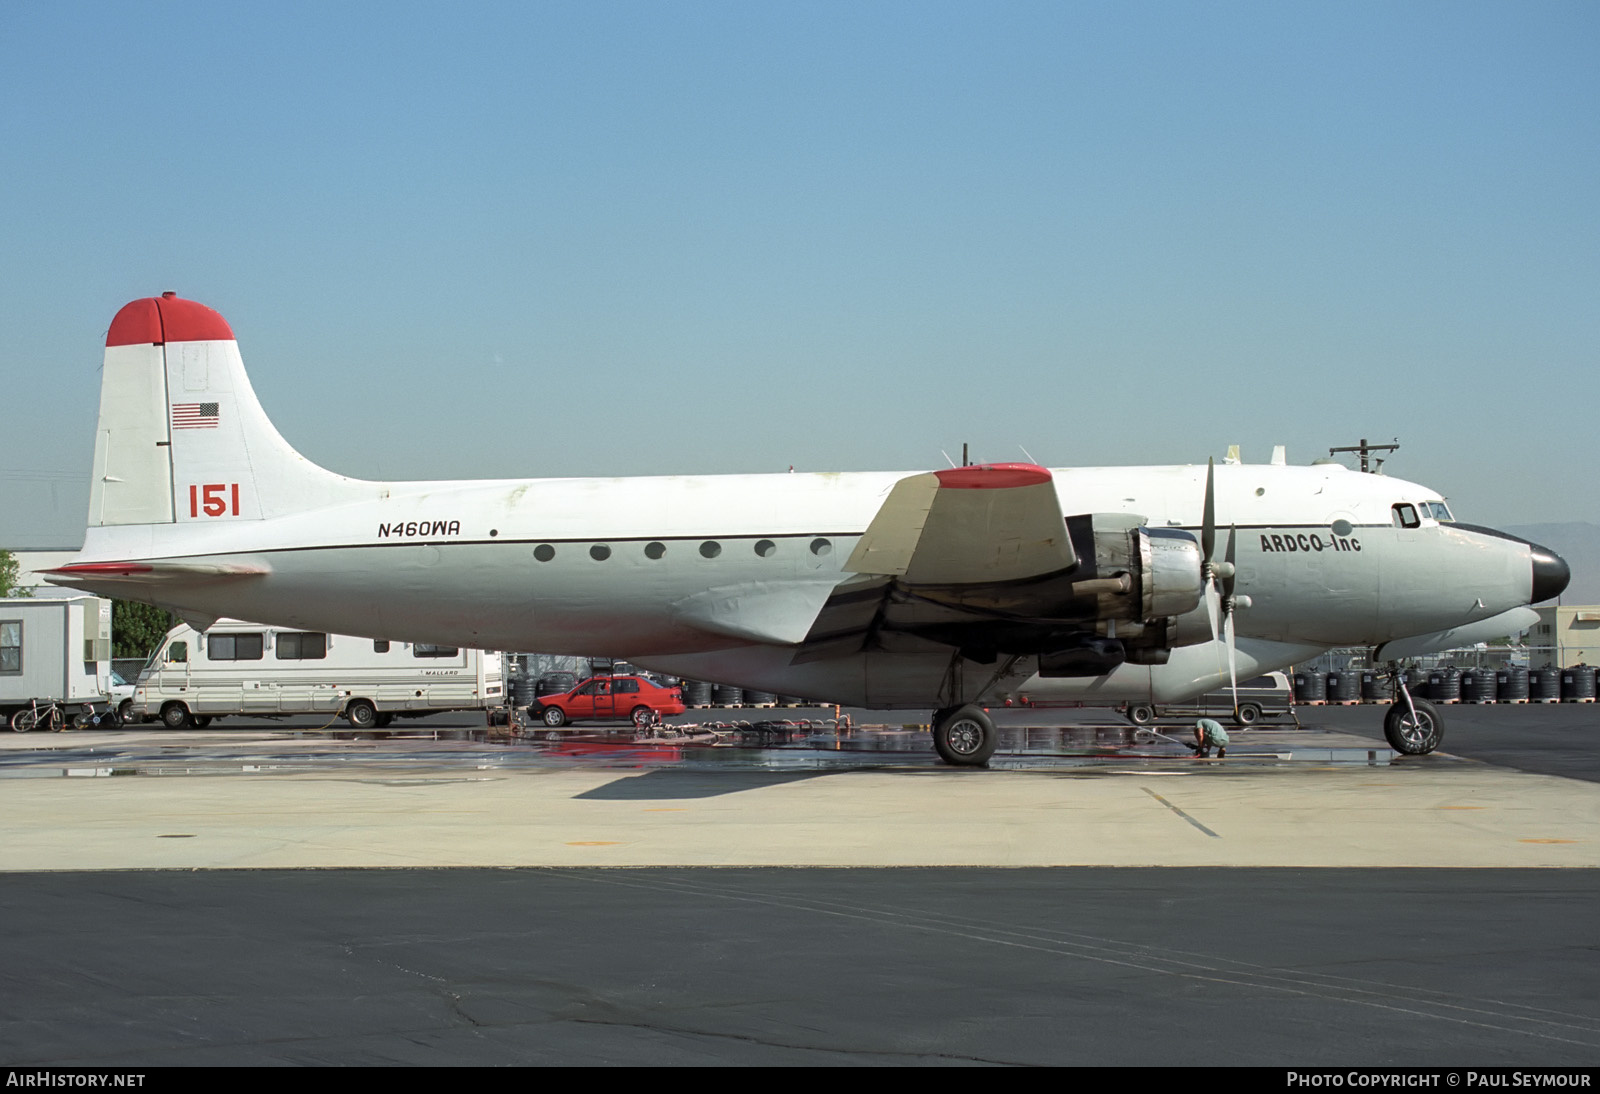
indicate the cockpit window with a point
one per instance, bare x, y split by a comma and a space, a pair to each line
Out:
1405, 516
1438, 510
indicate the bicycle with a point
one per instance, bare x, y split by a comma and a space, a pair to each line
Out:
34, 715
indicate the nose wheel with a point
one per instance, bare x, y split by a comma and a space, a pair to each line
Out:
963, 736
1413, 729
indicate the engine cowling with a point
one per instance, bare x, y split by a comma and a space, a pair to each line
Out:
1140, 583
1139, 575
1119, 603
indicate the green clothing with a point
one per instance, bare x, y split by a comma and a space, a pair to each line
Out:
1214, 734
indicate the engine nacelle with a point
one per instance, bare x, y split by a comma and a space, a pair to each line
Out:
1118, 604
1139, 575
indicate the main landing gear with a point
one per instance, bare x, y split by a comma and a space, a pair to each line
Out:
963, 736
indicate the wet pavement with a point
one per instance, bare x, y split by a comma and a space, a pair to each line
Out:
1032, 741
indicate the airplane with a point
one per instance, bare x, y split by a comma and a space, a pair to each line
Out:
873, 589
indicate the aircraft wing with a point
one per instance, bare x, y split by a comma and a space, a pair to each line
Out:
996, 522
972, 556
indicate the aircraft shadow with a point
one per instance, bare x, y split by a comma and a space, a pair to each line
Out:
684, 785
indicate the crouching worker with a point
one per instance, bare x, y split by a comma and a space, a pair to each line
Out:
1209, 734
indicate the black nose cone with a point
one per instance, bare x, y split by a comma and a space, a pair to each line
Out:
1550, 574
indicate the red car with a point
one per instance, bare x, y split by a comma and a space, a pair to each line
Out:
609, 699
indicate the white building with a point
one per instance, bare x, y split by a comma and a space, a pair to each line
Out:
1566, 634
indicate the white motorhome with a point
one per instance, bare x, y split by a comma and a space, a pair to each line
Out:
54, 652
248, 668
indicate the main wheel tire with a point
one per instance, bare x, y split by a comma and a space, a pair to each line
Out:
964, 737
1141, 714
1248, 714
1413, 735
643, 717
201, 720
176, 716
125, 712
554, 717
361, 714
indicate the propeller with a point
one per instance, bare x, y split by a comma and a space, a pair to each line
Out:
1220, 601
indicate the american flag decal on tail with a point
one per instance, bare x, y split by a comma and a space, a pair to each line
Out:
194, 415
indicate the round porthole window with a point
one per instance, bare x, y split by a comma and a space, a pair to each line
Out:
599, 552
654, 550
710, 549
821, 547
544, 552
765, 548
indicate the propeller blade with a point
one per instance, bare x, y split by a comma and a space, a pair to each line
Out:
1231, 571
1219, 577
1233, 660
1214, 608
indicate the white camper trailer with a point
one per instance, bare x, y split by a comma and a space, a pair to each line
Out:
248, 668
55, 653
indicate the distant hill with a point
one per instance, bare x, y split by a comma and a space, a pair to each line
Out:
1579, 543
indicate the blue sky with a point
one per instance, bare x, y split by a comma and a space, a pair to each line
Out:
645, 238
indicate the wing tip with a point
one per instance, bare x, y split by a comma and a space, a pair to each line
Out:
993, 476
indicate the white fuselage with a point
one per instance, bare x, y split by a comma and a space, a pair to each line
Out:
566, 566
198, 504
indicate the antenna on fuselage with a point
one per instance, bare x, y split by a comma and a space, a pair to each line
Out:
1365, 450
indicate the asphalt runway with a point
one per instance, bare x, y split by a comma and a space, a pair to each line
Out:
1544, 738
457, 901
663, 966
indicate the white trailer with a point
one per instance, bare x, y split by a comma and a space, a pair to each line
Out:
236, 667
55, 653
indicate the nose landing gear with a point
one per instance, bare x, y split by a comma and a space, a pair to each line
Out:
1413, 727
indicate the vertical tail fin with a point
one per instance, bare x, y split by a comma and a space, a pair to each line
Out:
181, 435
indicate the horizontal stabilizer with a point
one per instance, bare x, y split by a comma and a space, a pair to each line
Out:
136, 574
